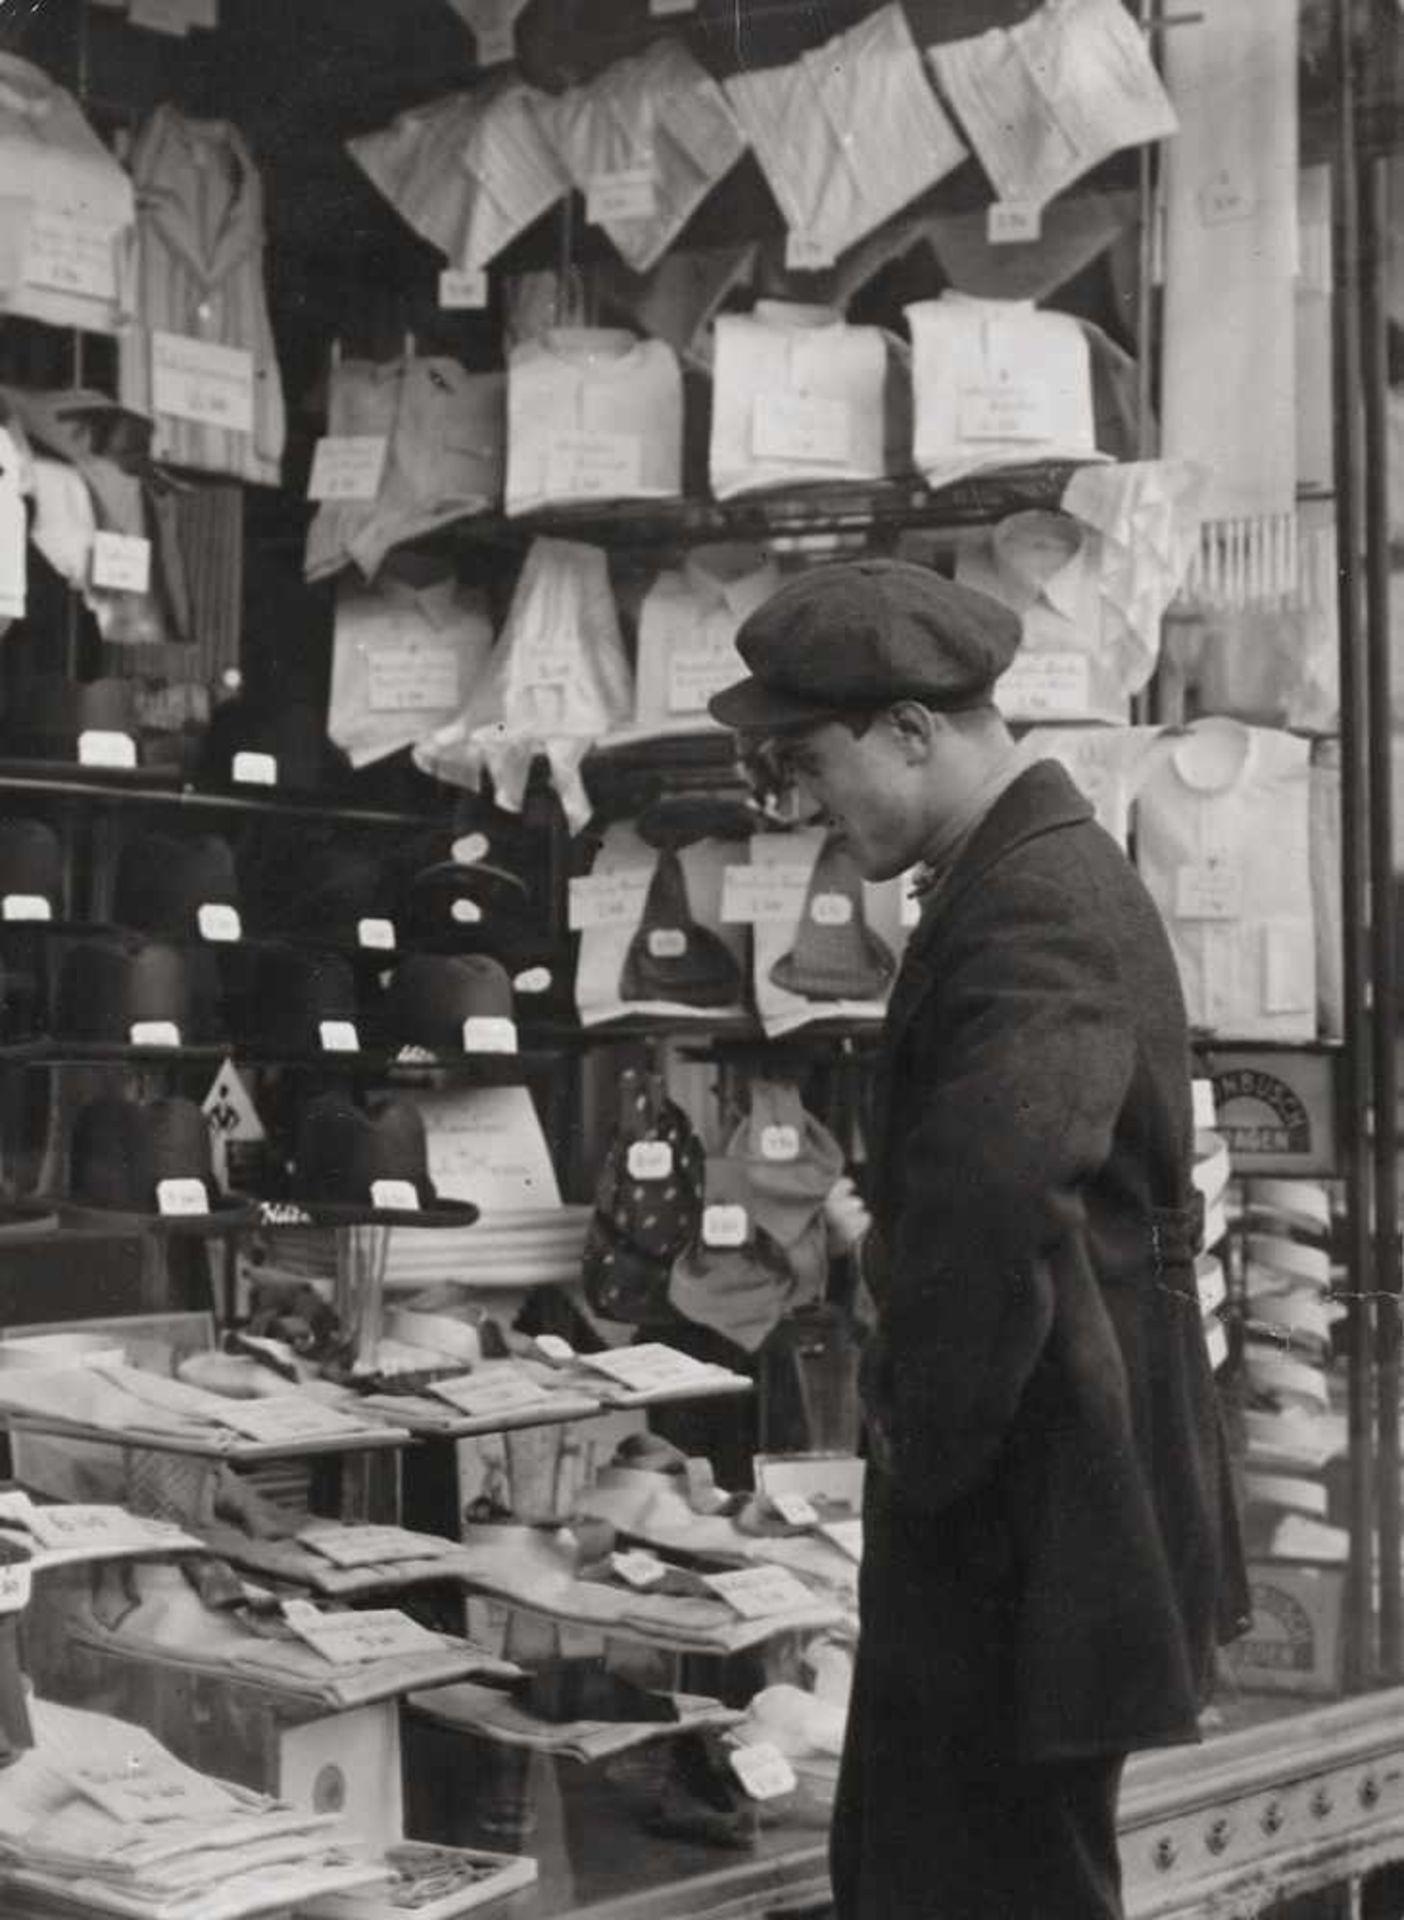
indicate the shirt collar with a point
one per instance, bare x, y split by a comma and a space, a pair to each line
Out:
738, 578
437, 603
1025, 550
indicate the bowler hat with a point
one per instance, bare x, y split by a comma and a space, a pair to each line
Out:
49, 714
863, 634
31, 871
150, 1162
352, 1168
334, 893
451, 1003
294, 1001
285, 737
121, 990
183, 887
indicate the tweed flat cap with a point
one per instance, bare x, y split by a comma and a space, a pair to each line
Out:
865, 634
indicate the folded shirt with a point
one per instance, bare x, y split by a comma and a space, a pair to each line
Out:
593, 413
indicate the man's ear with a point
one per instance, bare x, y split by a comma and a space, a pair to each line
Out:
915, 729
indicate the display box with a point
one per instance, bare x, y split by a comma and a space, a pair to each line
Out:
1294, 1642
1277, 1108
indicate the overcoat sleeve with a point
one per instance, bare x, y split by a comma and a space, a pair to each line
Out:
1010, 1080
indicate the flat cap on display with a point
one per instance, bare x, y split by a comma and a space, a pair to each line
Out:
862, 635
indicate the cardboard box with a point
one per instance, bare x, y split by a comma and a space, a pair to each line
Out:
1277, 1108
1294, 1644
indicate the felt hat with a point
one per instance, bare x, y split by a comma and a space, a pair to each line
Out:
49, 714
479, 906
680, 819
672, 957
836, 955
294, 1001
862, 634
289, 730
31, 871
335, 892
353, 1168
183, 887
120, 990
450, 1003
147, 1163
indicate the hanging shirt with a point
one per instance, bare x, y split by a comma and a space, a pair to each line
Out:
363, 400
592, 414
404, 659
660, 117
200, 240
997, 383
847, 134
687, 633
66, 209
1222, 842
468, 172
798, 395
1109, 766
1077, 659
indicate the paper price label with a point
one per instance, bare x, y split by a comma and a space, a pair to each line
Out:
649, 1365
151, 1788
463, 289
696, 670
201, 381
763, 1770
624, 193
756, 1593
649, 1160
806, 253
255, 769
181, 1199
288, 1416
99, 747
1044, 686
489, 1033
754, 894
16, 1585
496, 44
593, 466
847, 1536
153, 1033
339, 1036
911, 908
71, 253
551, 1346
663, 9
795, 1510
175, 17
95, 1527
469, 849
638, 1569
1225, 200
667, 943
498, 1388
412, 676
1009, 222
217, 920
532, 980
780, 1143
801, 427
377, 935
1017, 410
370, 1546
831, 910
395, 1196
606, 900
1216, 1344
121, 562
467, 913
724, 1226
347, 466
1209, 890
25, 906
352, 1639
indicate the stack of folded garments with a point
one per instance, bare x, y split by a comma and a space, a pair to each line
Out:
1211, 1178
574, 1708
511, 1250
100, 1819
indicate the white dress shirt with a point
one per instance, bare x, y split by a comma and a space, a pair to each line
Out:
1222, 842
798, 395
687, 633
997, 383
1108, 765
404, 660
593, 413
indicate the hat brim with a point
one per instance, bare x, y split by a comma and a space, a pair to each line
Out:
294, 1212
749, 706
225, 1216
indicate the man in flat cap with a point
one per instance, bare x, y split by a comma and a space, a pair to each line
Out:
1050, 1549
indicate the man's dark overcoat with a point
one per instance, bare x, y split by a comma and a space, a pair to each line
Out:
1051, 1553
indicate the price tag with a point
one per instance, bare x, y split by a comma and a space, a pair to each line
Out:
758, 1592
911, 908
412, 676
497, 1388
593, 466
649, 1160
780, 1143
801, 427
1209, 890
831, 910
347, 466
217, 920
847, 1536
623, 193
370, 1546
352, 1639
1045, 686
807, 253
552, 1347
96, 1528
395, 1196
149, 1787
650, 1365
697, 669
489, 1033
497, 44
532, 980
175, 17
606, 900
662, 9
763, 1770
463, 288
153, 1033
1216, 1344
70, 252
1015, 410
469, 849
339, 1036
639, 1569
724, 1225
122, 562
201, 381
466, 912
181, 1199
667, 943
16, 1585
255, 769
1010, 222
99, 747
756, 894
1225, 200
25, 906
378, 935
287, 1416
795, 1510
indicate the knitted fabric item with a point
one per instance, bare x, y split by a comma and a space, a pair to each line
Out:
836, 955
